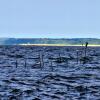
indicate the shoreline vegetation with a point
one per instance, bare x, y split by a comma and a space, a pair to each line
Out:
49, 41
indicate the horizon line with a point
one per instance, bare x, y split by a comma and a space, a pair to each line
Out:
51, 38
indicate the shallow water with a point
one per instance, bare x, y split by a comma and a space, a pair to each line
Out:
23, 77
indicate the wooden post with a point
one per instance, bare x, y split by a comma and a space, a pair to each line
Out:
67, 62
81, 55
60, 57
86, 44
16, 63
77, 56
52, 69
25, 62
41, 60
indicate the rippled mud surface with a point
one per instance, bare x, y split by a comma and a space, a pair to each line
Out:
49, 73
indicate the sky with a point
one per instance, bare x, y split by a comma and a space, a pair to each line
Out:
50, 18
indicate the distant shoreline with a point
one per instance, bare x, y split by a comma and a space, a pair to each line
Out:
90, 45
50, 42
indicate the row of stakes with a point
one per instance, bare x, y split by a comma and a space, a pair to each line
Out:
41, 61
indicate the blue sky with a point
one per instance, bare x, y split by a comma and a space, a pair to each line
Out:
50, 18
